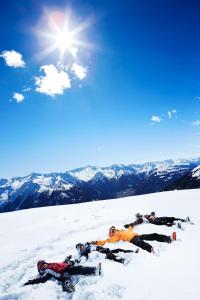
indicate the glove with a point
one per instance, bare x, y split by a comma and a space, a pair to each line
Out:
93, 242
126, 226
28, 282
67, 259
72, 262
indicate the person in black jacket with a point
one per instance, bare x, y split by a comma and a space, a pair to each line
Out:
151, 218
85, 249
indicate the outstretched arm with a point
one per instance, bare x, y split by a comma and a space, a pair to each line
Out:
137, 222
38, 280
112, 239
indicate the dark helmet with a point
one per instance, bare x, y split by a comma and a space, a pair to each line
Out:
138, 215
153, 213
39, 265
78, 246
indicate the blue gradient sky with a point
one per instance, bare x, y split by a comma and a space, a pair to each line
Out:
145, 62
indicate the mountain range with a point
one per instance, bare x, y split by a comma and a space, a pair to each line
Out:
93, 183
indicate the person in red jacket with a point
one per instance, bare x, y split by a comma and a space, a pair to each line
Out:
62, 272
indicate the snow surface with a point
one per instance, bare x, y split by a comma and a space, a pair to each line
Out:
51, 233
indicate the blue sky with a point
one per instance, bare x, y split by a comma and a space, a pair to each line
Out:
120, 85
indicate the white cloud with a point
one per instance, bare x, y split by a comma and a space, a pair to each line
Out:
79, 71
171, 113
54, 82
196, 123
13, 59
18, 97
156, 119
27, 89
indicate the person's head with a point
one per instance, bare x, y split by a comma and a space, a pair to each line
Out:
41, 266
153, 213
80, 247
138, 216
112, 231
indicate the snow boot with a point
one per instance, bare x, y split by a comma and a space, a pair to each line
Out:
68, 286
98, 271
178, 224
174, 236
155, 252
187, 219
121, 260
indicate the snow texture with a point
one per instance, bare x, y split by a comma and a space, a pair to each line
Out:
51, 233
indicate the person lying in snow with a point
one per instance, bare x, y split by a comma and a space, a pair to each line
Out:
168, 221
62, 272
130, 236
85, 249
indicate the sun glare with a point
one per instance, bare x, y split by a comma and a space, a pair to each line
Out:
60, 33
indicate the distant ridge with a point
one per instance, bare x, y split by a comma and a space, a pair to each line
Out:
97, 183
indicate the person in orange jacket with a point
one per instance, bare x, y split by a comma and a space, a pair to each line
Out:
130, 236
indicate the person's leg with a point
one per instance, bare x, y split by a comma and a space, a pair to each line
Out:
102, 250
156, 237
121, 250
113, 257
137, 241
162, 222
179, 219
67, 284
80, 270
166, 219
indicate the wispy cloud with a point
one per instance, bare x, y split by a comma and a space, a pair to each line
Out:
79, 71
13, 59
171, 113
54, 82
196, 123
26, 89
156, 119
18, 97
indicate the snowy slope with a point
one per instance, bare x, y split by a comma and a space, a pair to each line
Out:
51, 233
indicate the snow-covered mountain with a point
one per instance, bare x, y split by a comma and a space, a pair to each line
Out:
51, 233
91, 183
191, 180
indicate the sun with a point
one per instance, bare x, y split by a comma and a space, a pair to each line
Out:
63, 41
59, 32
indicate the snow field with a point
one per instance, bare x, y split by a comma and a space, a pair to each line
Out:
51, 233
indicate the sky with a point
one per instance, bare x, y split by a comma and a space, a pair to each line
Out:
97, 83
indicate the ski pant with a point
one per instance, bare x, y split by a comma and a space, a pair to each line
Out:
139, 240
110, 253
169, 221
80, 270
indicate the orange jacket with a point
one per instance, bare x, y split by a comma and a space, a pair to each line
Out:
119, 235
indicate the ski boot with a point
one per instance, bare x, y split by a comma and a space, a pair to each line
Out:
173, 236
68, 286
98, 271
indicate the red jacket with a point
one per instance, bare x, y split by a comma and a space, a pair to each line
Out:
55, 269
